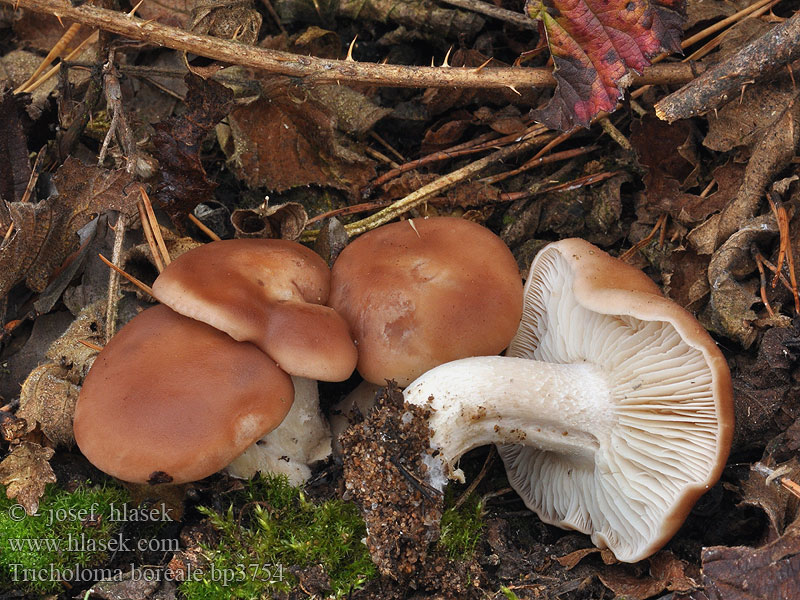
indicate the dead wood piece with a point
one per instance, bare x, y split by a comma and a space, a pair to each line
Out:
757, 60
318, 69
771, 155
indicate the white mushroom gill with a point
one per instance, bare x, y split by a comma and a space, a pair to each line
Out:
608, 423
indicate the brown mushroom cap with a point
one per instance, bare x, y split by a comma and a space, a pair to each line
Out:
268, 292
170, 399
420, 293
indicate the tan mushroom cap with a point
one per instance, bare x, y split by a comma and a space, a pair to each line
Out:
268, 292
671, 427
420, 293
170, 399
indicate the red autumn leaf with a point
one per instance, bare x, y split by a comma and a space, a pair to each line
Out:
594, 44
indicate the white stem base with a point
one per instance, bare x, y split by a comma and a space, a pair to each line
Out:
301, 439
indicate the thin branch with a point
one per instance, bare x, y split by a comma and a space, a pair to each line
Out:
490, 10
318, 69
755, 61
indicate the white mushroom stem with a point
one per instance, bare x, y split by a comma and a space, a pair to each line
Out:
301, 439
564, 408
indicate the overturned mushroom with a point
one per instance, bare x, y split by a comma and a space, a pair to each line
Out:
613, 404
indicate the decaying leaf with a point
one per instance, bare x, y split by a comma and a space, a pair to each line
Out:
183, 182
767, 573
778, 505
729, 311
25, 472
48, 398
282, 221
595, 44
227, 19
291, 139
666, 573
45, 233
15, 168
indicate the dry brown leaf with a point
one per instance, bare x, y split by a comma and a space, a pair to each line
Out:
282, 221
45, 233
729, 311
571, 560
290, 140
226, 19
771, 572
666, 573
780, 506
178, 140
25, 472
49, 399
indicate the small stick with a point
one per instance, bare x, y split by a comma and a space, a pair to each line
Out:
762, 276
272, 13
91, 345
478, 479
151, 216
142, 286
662, 221
78, 49
490, 10
148, 234
778, 476
113, 277
428, 492
202, 227
387, 145
51, 56
772, 268
539, 161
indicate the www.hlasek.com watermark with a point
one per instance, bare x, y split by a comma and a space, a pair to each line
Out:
266, 573
84, 541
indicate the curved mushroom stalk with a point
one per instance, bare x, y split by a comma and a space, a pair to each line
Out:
302, 439
484, 400
613, 411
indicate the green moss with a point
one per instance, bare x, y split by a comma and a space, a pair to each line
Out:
277, 529
462, 528
508, 593
71, 531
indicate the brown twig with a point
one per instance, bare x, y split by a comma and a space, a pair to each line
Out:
148, 235
141, 285
763, 280
538, 161
55, 51
113, 277
758, 59
91, 345
474, 483
317, 69
661, 222
202, 227
440, 184
161, 247
785, 249
501, 14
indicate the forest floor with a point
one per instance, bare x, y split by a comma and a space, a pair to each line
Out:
358, 113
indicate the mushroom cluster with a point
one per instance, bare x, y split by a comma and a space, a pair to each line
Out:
232, 354
612, 406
